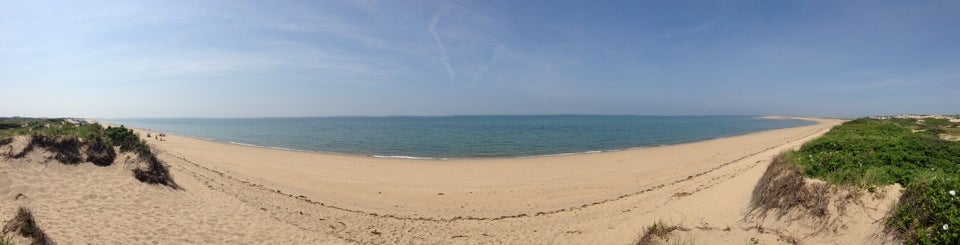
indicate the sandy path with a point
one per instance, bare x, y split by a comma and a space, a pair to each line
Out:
602, 198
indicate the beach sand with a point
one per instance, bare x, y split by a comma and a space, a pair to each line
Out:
241, 194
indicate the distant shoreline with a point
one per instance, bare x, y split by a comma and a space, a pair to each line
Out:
377, 156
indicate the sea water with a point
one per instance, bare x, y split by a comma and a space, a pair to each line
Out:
462, 136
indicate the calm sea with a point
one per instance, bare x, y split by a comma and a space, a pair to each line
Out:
462, 136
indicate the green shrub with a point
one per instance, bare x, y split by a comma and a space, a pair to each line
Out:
869, 152
99, 152
935, 131
66, 150
123, 137
927, 212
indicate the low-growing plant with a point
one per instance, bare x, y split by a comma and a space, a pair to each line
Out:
99, 152
783, 188
155, 173
868, 152
657, 230
26, 225
885, 152
6, 240
126, 139
929, 210
66, 150
66, 140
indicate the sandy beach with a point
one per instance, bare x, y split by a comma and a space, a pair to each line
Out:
241, 194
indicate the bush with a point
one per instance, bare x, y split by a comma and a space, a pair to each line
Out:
935, 131
125, 139
66, 150
928, 213
100, 153
156, 172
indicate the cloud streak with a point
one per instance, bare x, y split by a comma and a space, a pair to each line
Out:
483, 70
688, 31
441, 49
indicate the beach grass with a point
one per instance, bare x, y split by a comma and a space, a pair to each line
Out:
67, 138
658, 230
25, 225
783, 188
6, 240
868, 152
10, 127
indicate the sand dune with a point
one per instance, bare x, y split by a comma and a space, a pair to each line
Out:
240, 194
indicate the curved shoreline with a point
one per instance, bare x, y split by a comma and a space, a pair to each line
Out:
298, 171
243, 194
377, 156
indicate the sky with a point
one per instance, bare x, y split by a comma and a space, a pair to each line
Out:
121, 59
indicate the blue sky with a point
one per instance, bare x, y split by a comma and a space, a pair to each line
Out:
329, 58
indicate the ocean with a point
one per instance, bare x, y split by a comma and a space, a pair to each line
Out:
461, 136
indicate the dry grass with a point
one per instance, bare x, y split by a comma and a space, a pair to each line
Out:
25, 225
155, 173
6, 241
657, 232
784, 193
783, 189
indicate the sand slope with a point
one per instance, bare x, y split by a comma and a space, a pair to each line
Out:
105, 205
240, 194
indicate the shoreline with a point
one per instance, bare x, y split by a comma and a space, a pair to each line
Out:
375, 156
241, 194
292, 170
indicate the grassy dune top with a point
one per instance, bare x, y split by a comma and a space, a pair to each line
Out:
870, 152
74, 141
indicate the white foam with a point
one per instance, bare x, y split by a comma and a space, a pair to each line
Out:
568, 153
409, 157
243, 144
259, 146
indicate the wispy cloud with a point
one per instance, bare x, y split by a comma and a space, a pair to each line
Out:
687, 31
441, 49
485, 67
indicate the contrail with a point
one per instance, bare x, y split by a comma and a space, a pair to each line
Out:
441, 49
688, 31
493, 58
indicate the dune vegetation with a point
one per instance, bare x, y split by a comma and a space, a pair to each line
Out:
867, 153
73, 142
25, 225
